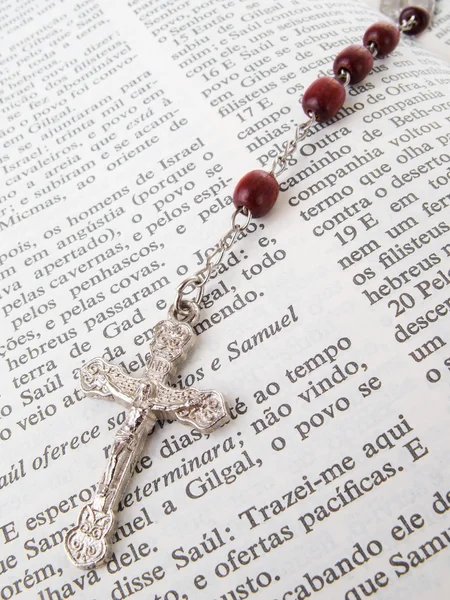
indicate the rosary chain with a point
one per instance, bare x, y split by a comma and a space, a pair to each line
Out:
301, 131
190, 291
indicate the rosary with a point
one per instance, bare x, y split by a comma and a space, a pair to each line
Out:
151, 398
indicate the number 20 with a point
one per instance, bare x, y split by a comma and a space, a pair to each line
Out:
404, 302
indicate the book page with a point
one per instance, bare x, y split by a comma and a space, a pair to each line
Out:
441, 25
125, 128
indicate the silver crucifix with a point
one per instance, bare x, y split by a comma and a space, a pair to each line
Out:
149, 399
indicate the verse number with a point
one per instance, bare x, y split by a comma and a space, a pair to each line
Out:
404, 302
212, 73
249, 113
347, 235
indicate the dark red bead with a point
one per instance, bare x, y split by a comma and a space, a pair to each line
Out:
384, 35
421, 16
257, 191
324, 98
357, 60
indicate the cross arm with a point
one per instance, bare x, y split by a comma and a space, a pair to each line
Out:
204, 410
101, 379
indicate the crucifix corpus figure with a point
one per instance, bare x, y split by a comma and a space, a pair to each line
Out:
149, 399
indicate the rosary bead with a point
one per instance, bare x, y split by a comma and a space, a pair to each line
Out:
324, 98
357, 60
257, 191
421, 16
384, 35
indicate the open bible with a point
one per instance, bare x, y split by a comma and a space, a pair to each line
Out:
124, 128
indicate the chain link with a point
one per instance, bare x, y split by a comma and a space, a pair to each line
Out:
301, 131
409, 24
190, 291
344, 77
373, 49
